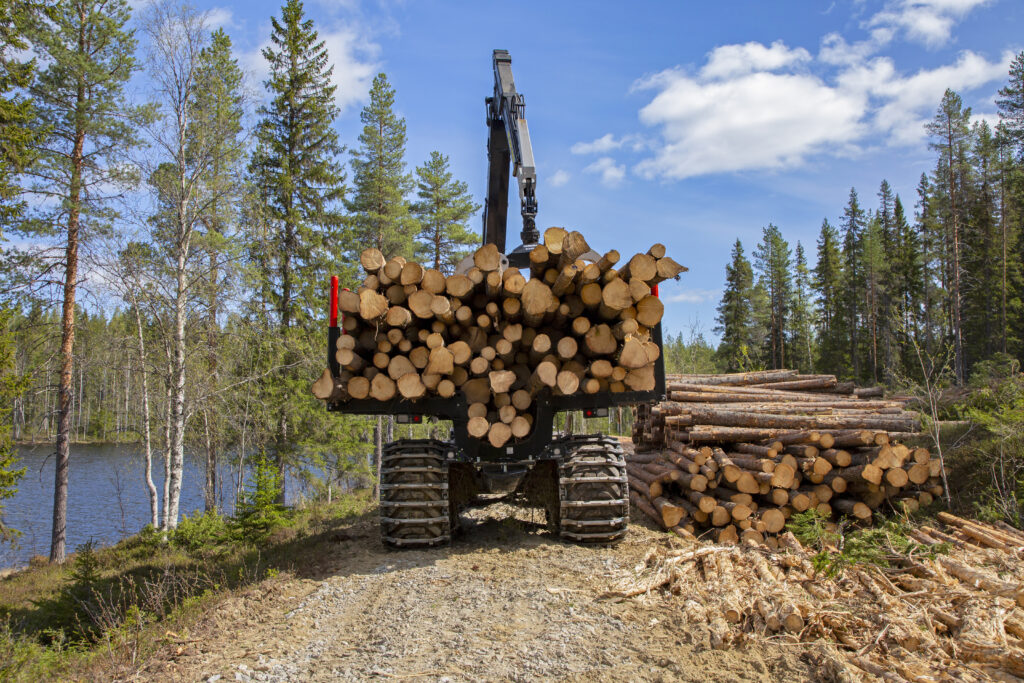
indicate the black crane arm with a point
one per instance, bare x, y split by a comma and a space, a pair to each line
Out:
509, 141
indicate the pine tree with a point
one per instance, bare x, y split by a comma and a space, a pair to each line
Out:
772, 258
853, 284
295, 218
950, 137
827, 284
801, 316
219, 106
380, 212
735, 313
88, 50
444, 207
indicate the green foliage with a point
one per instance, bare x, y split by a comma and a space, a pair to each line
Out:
837, 550
380, 212
443, 209
11, 386
693, 355
200, 532
259, 511
772, 261
736, 314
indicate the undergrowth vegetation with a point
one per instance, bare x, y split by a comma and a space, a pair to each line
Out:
108, 608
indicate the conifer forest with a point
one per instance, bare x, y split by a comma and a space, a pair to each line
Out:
164, 250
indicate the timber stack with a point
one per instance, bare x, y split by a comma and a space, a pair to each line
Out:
738, 454
574, 323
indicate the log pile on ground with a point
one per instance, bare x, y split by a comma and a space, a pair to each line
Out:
575, 323
738, 454
947, 605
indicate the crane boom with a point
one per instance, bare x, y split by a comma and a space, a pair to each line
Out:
509, 142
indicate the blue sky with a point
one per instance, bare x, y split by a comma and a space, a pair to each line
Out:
687, 123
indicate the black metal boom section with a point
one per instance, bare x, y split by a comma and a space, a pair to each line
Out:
509, 141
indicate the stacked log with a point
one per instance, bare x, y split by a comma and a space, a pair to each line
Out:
739, 454
572, 324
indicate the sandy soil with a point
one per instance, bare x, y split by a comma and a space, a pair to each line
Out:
505, 602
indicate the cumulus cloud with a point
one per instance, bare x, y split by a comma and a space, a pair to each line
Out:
559, 178
756, 120
611, 173
753, 108
926, 21
734, 60
355, 60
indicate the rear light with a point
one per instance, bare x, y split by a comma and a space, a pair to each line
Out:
595, 412
333, 306
409, 419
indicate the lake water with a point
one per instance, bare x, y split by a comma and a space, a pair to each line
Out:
107, 497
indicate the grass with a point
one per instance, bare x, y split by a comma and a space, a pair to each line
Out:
107, 610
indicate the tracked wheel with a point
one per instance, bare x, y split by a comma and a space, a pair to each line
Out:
593, 490
414, 505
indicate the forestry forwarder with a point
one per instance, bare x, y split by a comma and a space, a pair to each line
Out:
580, 480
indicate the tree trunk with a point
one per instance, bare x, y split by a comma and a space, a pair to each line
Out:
154, 501
378, 436
210, 485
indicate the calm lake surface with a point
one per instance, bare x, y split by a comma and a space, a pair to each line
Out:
107, 497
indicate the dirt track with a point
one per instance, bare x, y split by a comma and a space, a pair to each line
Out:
505, 602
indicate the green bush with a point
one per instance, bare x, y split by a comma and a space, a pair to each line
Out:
200, 531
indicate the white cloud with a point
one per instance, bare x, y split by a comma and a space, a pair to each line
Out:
734, 60
757, 120
219, 17
355, 60
926, 21
692, 296
911, 101
559, 178
763, 109
605, 143
611, 173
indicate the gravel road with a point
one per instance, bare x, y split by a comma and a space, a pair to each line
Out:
506, 602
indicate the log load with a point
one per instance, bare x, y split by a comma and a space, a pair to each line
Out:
757, 447
499, 336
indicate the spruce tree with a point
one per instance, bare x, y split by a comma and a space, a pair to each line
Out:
907, 281
88, 49
873, 268
801, 315
1010, 104
829, 289
886, 291
380, 212
853, 285
735, 313
295, 214
932, 239
772, 258
443, 209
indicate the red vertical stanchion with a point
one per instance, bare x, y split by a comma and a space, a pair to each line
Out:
334, 301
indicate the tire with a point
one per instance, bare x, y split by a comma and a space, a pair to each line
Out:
593, 491
414, 503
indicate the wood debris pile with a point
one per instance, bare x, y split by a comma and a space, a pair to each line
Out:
738, 454
953, 611
577, 325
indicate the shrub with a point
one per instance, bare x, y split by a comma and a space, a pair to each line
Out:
200, 531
